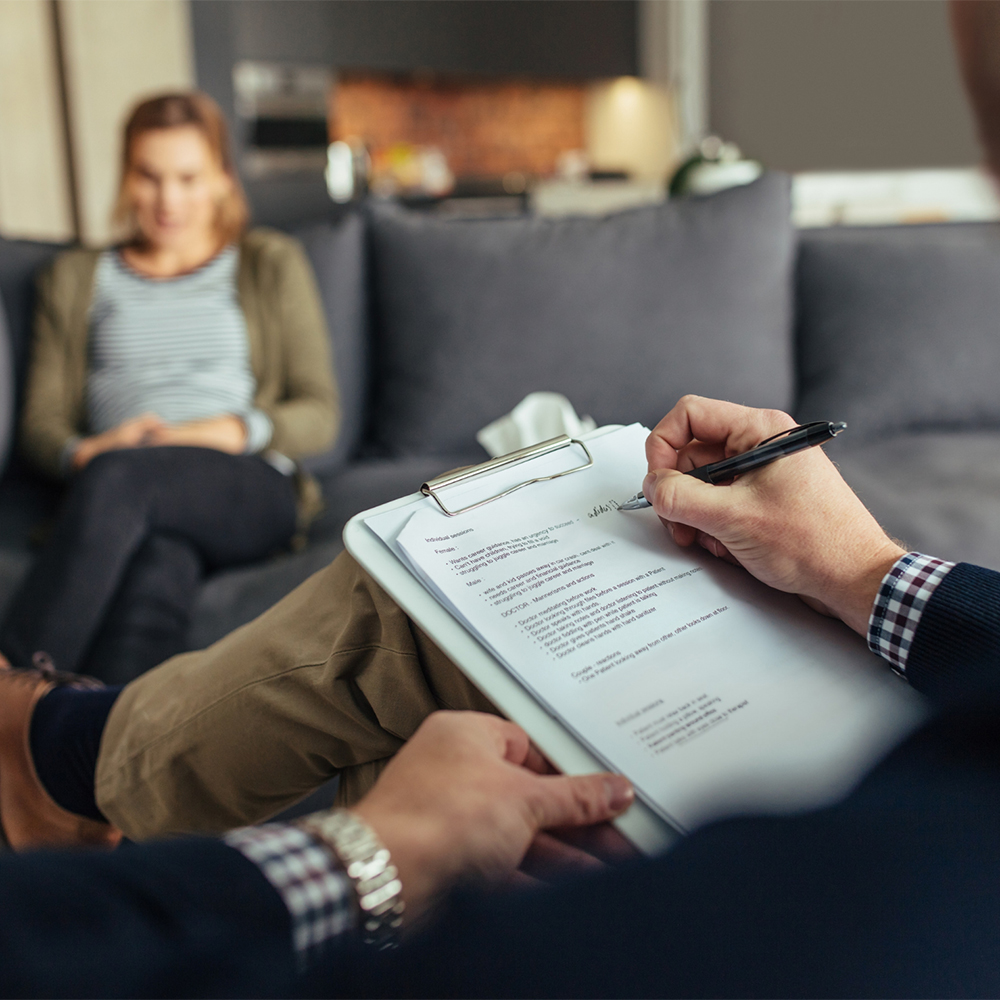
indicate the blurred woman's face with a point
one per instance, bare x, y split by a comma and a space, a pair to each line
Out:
174, 185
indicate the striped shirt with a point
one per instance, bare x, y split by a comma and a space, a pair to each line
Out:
175, 347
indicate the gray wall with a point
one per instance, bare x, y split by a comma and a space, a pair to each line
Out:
833, 84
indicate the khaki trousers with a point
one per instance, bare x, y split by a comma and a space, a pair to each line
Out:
334, 678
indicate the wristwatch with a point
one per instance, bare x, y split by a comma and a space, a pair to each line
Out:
366, 861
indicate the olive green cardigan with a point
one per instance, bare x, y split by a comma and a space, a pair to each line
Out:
289, 350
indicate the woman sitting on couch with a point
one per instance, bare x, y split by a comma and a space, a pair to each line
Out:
173, 381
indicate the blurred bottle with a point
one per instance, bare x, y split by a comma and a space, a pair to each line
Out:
348, 168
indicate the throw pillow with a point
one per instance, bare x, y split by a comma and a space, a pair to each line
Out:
622, 314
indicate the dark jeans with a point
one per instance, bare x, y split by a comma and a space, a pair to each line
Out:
113, 591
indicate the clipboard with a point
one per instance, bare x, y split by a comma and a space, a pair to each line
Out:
644, 828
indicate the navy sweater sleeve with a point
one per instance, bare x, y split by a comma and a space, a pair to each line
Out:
188, 917
956, 649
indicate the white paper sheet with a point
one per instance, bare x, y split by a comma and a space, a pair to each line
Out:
713, 693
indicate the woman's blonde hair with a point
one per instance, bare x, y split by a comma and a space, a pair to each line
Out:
173, 111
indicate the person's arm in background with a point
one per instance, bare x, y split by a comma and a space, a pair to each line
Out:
225, 432
134, 433
51, 425
305, 414
798, 527
51, 420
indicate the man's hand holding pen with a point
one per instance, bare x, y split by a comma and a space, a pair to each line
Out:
794, 524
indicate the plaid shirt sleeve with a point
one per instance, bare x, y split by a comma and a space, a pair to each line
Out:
318, 894
901, 600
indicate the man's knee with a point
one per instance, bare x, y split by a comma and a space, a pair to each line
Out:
334, 673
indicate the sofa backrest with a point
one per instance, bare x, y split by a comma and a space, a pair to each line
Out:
336, 251
20, 261
622, 314
899, 328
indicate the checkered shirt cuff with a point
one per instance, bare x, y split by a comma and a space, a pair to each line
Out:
901, 600
319, 896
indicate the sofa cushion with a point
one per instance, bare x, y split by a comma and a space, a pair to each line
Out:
900, 328
939, 492
336, 251
622, 314
366, 483
236, 596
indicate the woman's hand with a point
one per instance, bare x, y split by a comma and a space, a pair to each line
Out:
795, 524
132, 433
226, 433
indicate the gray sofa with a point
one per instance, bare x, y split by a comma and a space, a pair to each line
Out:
438, 326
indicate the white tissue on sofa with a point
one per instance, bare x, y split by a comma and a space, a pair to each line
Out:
538, 417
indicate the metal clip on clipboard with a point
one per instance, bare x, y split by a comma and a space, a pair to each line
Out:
432, 488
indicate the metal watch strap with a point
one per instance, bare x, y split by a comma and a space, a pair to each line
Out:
367, 863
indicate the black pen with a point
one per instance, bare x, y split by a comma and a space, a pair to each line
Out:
786, 443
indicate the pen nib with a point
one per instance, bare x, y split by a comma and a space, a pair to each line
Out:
635, 503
